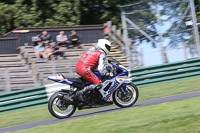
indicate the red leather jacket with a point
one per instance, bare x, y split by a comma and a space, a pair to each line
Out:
91, 59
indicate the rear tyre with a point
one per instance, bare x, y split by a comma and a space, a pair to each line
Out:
126, 100
59, 108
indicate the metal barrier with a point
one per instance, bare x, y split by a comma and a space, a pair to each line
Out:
28, 97
165, 72
23, 98
4, 83
140, 76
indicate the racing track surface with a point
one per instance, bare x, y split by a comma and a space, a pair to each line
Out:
102, 111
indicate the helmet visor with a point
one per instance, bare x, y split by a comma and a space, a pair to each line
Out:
107, 47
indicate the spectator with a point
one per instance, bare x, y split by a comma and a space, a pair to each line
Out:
61, 39
45, 38
49, 50
74, 38
40, 51
35, 39
52, 50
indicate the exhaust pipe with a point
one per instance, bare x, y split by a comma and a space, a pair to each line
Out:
65, 97
60, 96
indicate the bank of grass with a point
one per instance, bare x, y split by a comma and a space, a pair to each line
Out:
146, 93
175, 117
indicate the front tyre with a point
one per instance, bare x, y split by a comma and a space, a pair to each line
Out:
59, 108
126, 100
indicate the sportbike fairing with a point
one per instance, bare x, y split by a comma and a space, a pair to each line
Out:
116, 88
109, 86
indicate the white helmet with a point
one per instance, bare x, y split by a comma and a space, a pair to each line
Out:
105, 45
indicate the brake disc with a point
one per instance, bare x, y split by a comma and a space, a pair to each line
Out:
61, 105
126, 98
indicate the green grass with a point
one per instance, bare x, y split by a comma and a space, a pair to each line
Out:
168, 89
175, 117
155, 91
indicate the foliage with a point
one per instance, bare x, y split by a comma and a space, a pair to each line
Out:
145, 15
37, 13
178, 32
142, 15
197, 5
33, 13
99, 11
40, 13
7, 16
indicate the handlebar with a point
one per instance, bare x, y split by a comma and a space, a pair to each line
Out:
113, 61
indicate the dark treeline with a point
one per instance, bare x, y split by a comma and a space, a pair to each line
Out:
39, 13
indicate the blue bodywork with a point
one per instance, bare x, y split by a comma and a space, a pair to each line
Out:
123, 72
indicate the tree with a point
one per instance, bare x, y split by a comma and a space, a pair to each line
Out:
197, 5
65, 13
39, 13
143, 15
7, 17
100, 11
47, 13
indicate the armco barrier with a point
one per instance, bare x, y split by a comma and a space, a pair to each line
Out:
23, 98
28, 97
140, 76
165, 72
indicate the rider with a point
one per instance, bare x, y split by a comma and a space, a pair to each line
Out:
93, 59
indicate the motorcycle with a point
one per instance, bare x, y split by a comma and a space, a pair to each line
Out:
116, 88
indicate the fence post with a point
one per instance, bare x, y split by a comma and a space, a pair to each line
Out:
114, 34
7, 74
185, 51
2, 80
119, 34
35, 74
53, 67
141, 57
164, 54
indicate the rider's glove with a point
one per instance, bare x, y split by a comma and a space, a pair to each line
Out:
110, 74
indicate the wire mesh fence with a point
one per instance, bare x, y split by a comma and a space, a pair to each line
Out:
167, 26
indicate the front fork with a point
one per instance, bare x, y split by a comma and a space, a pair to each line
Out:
124, 89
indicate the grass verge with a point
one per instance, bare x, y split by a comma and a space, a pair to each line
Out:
175, 117
146, 93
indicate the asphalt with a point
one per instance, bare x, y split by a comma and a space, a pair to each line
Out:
102, 111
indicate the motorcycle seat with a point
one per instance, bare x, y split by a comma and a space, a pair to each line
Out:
77, 80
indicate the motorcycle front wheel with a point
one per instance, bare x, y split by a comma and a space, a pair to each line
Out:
126, 100
59, 108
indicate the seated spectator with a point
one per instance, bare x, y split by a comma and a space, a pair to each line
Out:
61, 39
35, 39
52, 50
49, 50
45, 38
74, 38
40, 51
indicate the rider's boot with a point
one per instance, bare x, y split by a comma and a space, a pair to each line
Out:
86, 89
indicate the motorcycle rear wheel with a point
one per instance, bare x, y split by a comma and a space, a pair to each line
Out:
59, 108
126, 100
